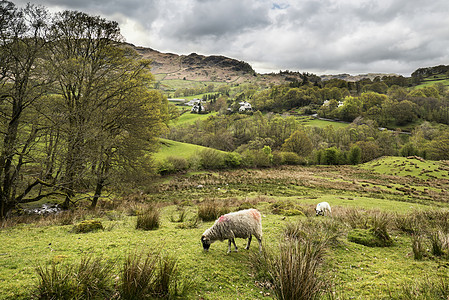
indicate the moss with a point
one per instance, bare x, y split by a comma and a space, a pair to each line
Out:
369, 237
285, 208
88, 226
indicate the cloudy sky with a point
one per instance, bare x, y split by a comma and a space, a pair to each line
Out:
317, 36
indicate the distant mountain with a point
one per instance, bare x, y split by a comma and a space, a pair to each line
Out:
354, 78
219, 68
209, 68
196, 67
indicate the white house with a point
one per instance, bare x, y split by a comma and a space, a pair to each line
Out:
197, 108
326, 103
245, 106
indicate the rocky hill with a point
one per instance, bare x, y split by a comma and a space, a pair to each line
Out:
217, 68
197, 67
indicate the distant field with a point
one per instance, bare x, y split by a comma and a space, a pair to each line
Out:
443, 79
324, 123
178, 149
405, 167
189, 118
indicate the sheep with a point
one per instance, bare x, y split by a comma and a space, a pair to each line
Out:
240, 224
323, 208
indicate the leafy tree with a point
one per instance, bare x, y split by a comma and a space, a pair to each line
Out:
355, 155
299, 143
112, 118
23, 41
351, 109
439, 147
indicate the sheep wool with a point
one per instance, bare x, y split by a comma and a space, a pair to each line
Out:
241, 224
323, 208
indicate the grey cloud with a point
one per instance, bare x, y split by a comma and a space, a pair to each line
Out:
217, 19
307, 35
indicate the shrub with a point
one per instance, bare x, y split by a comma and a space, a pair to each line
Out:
149, 219
88, 226
290, 158
211, 159
165, 167
232, 159
91, 279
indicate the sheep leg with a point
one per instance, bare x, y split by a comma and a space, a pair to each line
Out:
229, 245
260, 244
249, 242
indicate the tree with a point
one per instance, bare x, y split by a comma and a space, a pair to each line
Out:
23, 40
355, 155
299, 143
111, 116
351, 109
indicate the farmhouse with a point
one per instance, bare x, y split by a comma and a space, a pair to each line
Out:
197, 108
326, 103
245, 106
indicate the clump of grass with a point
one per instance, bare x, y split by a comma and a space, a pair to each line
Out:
211, 210
191, 223
148, 219
294, 270
322, 231
91, 279
151, 276
286, 208
408, 223
426, 289
181, 217
436, 240
418, 248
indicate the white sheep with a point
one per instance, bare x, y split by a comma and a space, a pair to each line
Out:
240, 224
323, 208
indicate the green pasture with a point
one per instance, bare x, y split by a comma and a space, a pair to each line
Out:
189, 118
441, 78
325, 123
356, 271
408, 167
172, 148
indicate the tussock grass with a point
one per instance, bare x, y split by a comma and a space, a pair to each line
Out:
149, 218
151, 276
210, 210
92, 278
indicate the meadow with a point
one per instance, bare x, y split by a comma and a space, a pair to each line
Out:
390, 188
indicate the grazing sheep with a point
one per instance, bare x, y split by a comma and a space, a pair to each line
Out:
323, 208
240, 224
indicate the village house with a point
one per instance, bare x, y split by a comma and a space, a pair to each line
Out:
245, 106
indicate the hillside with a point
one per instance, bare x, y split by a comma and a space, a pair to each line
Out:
214, 68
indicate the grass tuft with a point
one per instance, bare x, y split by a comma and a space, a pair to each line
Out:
149, 219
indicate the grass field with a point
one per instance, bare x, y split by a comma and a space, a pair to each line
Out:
189, 118
324, 123
178, 149
355, 271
